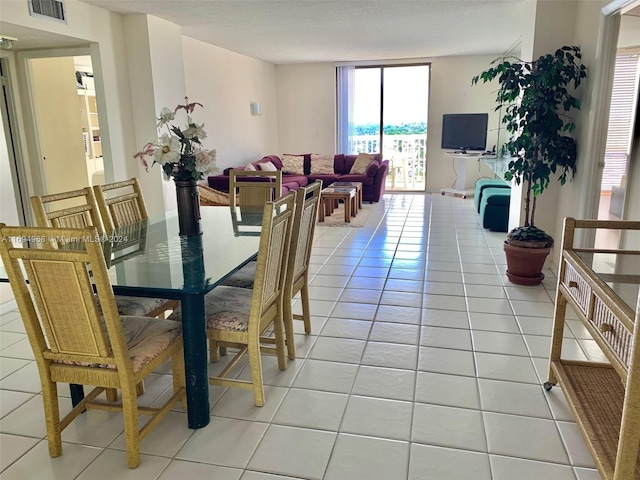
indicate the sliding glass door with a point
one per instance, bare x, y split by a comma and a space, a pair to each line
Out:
387, 110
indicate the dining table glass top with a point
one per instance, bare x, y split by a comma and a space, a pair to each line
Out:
152, 255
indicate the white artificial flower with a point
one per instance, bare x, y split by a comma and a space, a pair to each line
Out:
195, 130
206, 161
166, 115
167, 150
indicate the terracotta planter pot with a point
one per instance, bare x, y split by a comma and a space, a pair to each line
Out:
524, 265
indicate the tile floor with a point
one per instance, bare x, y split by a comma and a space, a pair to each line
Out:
424, 363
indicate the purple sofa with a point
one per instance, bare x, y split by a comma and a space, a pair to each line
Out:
373, 182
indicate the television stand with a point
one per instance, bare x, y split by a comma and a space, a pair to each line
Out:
460, 189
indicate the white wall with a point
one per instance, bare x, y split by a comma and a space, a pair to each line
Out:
452, 92
226, 83
306, 101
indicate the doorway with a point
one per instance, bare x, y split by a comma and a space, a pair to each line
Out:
67, 130
388, 114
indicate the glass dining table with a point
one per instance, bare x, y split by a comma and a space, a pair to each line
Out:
150, 259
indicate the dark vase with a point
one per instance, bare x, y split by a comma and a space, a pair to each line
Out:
188, 207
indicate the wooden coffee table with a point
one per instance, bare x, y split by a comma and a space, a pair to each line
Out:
329, 198
356, 185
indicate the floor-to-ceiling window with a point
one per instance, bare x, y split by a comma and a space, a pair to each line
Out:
385, 109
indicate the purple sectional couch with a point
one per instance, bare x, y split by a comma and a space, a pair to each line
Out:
373, 182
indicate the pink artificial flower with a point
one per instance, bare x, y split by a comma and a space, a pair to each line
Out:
188, 107
147, 151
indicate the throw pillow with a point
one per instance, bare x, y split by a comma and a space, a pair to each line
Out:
267, 167
250, 168
361, 164
321, 164
293, 164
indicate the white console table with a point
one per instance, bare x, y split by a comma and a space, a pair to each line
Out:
460, 189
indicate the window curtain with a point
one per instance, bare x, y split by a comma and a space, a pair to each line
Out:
345, 89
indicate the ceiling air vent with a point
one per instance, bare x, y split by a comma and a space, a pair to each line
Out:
48, 8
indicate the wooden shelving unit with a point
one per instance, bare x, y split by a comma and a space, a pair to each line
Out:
604, 397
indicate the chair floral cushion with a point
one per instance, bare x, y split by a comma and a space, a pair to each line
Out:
146, 337
226, 308
138, 306
243, 278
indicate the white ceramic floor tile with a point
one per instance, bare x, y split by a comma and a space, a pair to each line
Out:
444, 302
505, 367
493, 322
324, 293
532, 309
364, 458
327, 376
587, 474
449, 390
524, 437
443, 288
20, 349
394, 333
311, 409
440, 337
440, 276
294, 451
512, 397
385, 383
10, 365
178, 470
345, 328
225, 441
13, 447
540, 346
489, 305
482, 279
445, 318
396, 284
360, 295
337, 349
113, 464
240, 403
28, 419
448, 427
405, 299
25, 379
10, 400
271, 373
484, 291
37, 463
377, 417
392, 355
9, 338
357, 311
398, 314
437, 463
497, 342
574, 443
442, 360
532, 294
250, 475
507, 468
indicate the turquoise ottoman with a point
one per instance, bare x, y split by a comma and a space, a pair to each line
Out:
494, 209
484, 183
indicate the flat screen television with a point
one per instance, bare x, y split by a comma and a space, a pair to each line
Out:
464, 131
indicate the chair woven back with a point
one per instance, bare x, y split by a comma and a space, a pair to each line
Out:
304, 223
74, 209
254, 188
268, 289
57, 304
120, 203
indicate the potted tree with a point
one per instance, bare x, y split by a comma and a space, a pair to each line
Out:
537, 100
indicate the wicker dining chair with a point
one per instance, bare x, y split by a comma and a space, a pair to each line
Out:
254, 188
73, 343
240, 318
80, 209
120, 203
297, 278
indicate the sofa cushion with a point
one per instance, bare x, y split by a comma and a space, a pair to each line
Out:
373, 168
366, 180
267, 167
273, 159
301, 180
338, 164
250, 167
326, 179
322, 164
361, 164
293, 164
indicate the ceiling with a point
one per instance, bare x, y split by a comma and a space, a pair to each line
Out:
304, 31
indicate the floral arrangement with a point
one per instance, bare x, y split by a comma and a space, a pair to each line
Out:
179, 152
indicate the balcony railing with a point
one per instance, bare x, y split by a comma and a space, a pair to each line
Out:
406, 155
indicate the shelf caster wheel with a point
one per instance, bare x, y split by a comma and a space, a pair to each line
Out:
548, 385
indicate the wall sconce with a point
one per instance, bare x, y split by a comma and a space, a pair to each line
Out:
6, 41
256, 108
